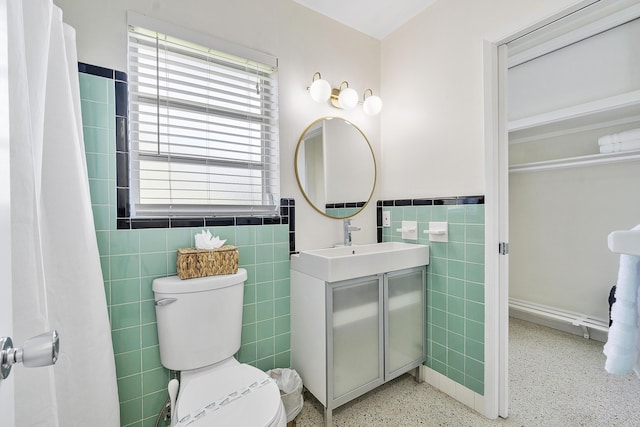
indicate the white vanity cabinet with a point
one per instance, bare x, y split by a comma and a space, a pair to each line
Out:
350, 336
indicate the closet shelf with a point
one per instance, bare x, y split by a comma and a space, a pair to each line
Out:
572, 162
614, 110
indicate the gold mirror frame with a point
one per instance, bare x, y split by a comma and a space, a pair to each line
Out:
300, 185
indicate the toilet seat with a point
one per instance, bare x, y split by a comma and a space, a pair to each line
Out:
240, 395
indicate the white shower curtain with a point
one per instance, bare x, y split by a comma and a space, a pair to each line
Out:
57, 280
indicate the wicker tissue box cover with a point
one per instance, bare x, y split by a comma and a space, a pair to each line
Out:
193, 262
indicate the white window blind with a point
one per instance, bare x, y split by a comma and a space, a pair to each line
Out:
203, 130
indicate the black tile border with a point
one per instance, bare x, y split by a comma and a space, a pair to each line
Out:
345, 205
123, 212
437, 201
453, 200
95, 70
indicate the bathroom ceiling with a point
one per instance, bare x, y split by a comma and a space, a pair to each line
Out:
377, 18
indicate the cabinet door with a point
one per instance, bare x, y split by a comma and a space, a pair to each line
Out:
355, 340
405, 321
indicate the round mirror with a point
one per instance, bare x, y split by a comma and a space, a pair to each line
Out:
335, 167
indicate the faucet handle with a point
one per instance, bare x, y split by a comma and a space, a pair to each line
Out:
349, 227
347, 231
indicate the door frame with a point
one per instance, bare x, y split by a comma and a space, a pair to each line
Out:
496, 402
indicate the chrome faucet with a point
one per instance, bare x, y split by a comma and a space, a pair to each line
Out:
348, 228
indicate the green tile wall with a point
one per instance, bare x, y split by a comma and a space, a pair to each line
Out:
342, 212
455, 288
131, 259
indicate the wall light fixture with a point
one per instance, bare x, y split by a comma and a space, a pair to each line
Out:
372, 104
343, 97
320, 90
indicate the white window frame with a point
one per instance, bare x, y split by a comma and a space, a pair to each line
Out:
260, 161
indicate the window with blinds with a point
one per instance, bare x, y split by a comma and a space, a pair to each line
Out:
203, 130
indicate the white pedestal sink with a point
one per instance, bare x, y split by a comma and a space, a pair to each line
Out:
348, 262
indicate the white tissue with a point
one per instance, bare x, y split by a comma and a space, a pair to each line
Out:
205, 240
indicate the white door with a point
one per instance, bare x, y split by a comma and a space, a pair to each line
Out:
6, 315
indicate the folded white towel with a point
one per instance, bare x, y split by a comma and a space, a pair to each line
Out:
619, 137
616, 147
623, 343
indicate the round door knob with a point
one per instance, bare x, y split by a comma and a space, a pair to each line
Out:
41, 350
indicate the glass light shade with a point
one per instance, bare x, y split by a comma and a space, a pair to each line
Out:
348, 98
320, 90
372, 105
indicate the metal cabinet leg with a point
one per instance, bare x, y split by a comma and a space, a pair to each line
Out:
420, 374
328, 412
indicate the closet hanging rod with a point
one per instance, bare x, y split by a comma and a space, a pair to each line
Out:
590, 160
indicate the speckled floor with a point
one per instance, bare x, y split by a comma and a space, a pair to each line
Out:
555, 379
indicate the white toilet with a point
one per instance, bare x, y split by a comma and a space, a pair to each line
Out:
199, 327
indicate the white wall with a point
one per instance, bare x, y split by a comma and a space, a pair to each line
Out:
601, 66
303, 41
559, 222
432, 86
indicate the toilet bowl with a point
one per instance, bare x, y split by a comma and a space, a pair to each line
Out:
199, 326
240, 395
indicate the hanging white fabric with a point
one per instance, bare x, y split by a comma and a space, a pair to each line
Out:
623, 342
57, 280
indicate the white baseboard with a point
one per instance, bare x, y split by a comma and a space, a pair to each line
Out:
558, 324
459, 392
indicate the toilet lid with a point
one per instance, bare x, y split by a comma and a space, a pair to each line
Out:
240, 395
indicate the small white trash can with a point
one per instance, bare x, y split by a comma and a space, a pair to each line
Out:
290, 385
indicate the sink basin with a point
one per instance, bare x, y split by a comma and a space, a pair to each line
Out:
348, 262
625, 242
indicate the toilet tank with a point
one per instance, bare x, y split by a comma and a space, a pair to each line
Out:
199, 320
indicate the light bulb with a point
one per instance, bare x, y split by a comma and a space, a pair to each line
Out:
372, 105
320, 90
348, 98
